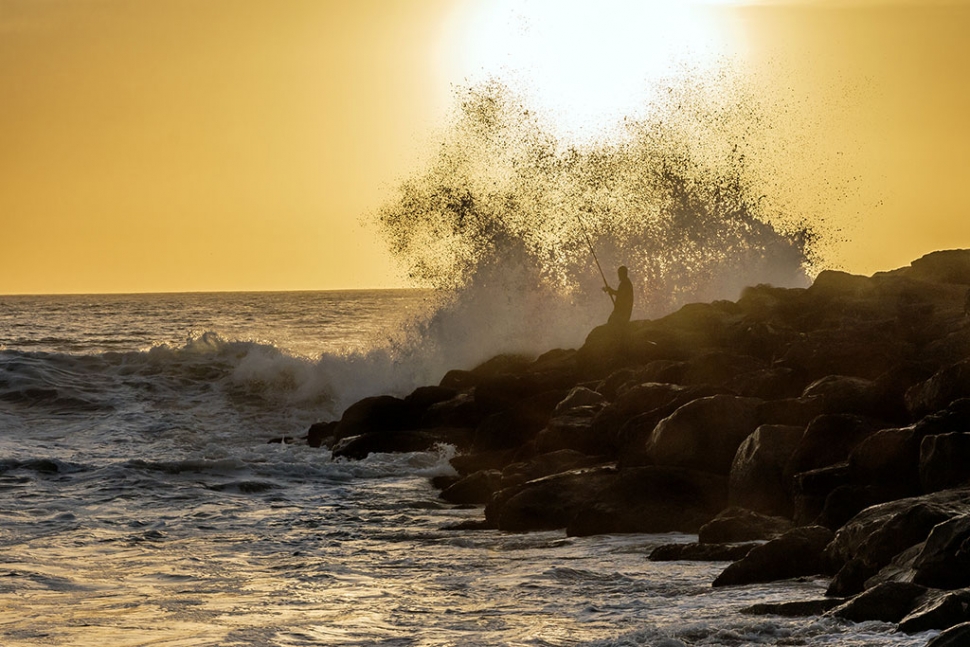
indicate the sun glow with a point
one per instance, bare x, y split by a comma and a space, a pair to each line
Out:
587, 64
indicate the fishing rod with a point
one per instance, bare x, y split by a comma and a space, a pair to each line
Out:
593, 251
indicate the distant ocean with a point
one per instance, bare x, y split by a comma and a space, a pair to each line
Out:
141, 504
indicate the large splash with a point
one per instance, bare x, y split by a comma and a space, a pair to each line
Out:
498, 221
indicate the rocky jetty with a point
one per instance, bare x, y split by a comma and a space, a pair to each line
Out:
830, 425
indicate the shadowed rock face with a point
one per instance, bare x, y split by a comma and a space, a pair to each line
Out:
843, 407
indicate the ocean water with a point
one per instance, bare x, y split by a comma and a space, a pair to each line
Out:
141, 504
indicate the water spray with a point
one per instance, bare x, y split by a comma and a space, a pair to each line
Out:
593, 251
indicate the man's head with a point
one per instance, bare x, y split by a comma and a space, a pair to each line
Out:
621, 271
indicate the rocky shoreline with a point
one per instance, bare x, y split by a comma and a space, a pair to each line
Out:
798, 432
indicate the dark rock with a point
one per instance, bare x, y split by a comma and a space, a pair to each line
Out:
704, 434
719, 367
517, 424
944, 461
944, 266
375, 414
556, 462
572, 430
444, 481
757, 478
956, 636
846, 501
695, 552
460, 411
888, 602
476, 488
466, 464
359, 447
938, 611
944, 561
797, 553
799, 609
425, 396
597, 500
879, 533
795, 412
469, 524
845, 394
459, 380
851, 578
738, 524
828, 439
888, 457
775, 383
504, 364
945, 387
322, 434
579, 396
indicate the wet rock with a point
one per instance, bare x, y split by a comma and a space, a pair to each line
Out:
799, 609
322, 434
811, 490
601, 500
460, 411
516, 424
359, 447
738, 524
466, 464
696, 552
797, 553
851, 578
956, 636
888, 602
704, 434
757, 479
425, 396
944, 561
846, 501
375, 414
556, 462
847, 395
829, 439
476, 488
879, 533
937, 610
944, 461
888, 457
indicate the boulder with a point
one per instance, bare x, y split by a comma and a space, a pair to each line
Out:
579, 396
828, 439
888, 602
811, 489
359, 447
459, 411
322, 434
556, 462
466, 464
846, 394
795, 412
956, 636
695, 552
757, 479
937, 610
879, 533
738, 524
945, 387
944, 461
719, 367
944, 561
796, 553
375, 414
888, 457
517, 423
798, 609
846, 501
599, 500
573, 430
704, 434
851, 578
476, 488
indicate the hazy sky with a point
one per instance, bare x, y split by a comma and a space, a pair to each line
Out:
171, 145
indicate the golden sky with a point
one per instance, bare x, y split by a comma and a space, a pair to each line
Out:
182, 145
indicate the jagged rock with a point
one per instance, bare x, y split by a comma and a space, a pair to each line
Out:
595, 500
937, 611
738, 524
322, 434
944, 561
704, 434
579, 396
879, 533
695, 552
944, 461
828, 439
888, 602
956, 636
556, 462
757, 478
796, 553
476, 488
945, 387
572, 430
799, 609
359, 447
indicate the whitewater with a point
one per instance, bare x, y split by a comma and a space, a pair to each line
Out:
142, 502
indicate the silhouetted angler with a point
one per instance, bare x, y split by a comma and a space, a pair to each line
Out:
623, 298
